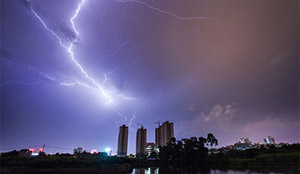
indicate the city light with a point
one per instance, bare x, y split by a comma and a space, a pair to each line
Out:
107, 150
94, 151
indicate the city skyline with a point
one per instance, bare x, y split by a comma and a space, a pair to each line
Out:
163, 133
73, 72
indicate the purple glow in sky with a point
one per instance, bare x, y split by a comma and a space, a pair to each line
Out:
72, 72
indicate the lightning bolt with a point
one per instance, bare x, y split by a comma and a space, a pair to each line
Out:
166, 12
121, 115
21, 83
125, 119
110, 55
41, 74
107, 74
69, 48
134, 62
132, 118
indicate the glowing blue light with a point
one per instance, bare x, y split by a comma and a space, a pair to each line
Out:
107, 150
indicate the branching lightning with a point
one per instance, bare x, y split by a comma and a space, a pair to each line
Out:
166, 12
110, 55
121, 115
44, 76
95, 85
130, 122
132, 118
21, 83
107, 74
91, 82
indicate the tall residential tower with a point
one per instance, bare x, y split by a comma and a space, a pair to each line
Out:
141, 139
164, 133
123, 141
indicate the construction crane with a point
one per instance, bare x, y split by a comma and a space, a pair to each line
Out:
158, 123
140, 125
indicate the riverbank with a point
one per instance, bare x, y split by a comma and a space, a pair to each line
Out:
171, 160
280, 162
123, 168
285, 162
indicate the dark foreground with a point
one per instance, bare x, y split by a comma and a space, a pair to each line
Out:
278, 163
186, 156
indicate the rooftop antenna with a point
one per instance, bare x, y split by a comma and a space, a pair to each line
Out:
140, 125
158, 122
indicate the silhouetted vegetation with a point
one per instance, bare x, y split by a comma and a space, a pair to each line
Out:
90, 162
187, 153
279, 159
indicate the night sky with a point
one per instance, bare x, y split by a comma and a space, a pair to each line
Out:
227, 67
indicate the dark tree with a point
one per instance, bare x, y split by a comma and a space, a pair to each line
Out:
188, 153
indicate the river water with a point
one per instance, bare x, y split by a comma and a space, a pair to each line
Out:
157, 171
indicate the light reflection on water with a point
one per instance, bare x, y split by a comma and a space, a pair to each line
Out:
146, 171
156, 171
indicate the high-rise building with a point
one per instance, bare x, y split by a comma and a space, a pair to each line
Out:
123, 141
158, 136
164, 133
269, 140
141, 138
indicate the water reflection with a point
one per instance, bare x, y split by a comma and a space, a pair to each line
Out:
156, 171
146, 171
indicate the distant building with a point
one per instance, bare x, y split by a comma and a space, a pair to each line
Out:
78, 150
164, 133
123, 141
245, 140
243, 144
141, 138
25, 152
269, 140
257, 145
150, 147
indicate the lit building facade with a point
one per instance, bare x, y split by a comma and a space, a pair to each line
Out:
150, 147
123, 141
245, 140
269, 140
243, 144
164, 133
141, 138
